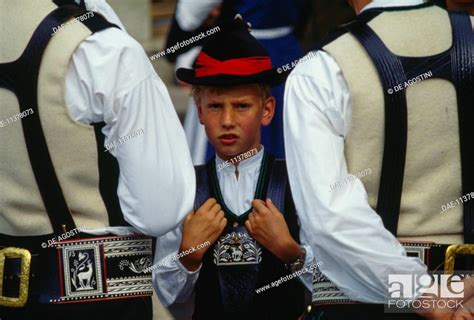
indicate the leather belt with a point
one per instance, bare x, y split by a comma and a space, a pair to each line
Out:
79, 270
442, 256
437, 257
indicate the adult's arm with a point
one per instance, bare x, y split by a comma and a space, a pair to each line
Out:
111, 79
345, 233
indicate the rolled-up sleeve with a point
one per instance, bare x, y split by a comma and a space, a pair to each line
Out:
172, 281
111, 79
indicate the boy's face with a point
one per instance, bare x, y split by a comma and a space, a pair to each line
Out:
233, 116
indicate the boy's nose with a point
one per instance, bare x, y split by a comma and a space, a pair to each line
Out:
228, 118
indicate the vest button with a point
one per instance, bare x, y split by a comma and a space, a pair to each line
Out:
235, 225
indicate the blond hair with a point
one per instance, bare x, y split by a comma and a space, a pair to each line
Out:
196, 91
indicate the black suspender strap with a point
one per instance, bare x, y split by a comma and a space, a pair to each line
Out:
277, 185
391, 73
455, 65
21, 77
77, 3
202, 186
280, 193
462, 68
277, 190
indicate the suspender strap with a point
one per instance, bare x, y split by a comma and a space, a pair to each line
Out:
109, 172
455, 65
21, 77
277, 190
391, 73
77, 3
462, 66
280, 194
202, 186
277, 185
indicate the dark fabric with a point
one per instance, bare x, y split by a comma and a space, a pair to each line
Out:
44, 278
282, 302
126, 309
177, 35
202, 186
79, 3
462, 66
108, 179
222, 47
357, 311
266, 14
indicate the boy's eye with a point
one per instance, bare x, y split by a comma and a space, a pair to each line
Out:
243, 106
214, 106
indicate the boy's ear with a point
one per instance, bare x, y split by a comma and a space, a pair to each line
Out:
199, 112
268, 110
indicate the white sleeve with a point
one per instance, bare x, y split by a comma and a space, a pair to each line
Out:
307, 277
172, 281
347, 236
191, 14
111, 79
106, 10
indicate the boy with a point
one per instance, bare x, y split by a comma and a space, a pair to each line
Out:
237, 240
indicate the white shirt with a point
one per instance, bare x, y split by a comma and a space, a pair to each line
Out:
172, 281
111, 79
345, 233
191, 14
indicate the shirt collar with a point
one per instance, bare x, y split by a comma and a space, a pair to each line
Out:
392, 3
244, 165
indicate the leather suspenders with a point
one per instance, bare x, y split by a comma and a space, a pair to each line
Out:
277, 189
454, 65
21, 77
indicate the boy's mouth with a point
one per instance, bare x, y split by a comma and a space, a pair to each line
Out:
228, 138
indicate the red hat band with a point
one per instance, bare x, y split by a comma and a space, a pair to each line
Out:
208, 66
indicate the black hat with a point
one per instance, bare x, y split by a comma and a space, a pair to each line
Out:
232, 57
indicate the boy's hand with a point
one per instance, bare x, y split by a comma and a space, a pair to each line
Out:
204, 225
267, 225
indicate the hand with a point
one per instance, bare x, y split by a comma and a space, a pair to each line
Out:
437, 313
267, 225
205, 225
465, 312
